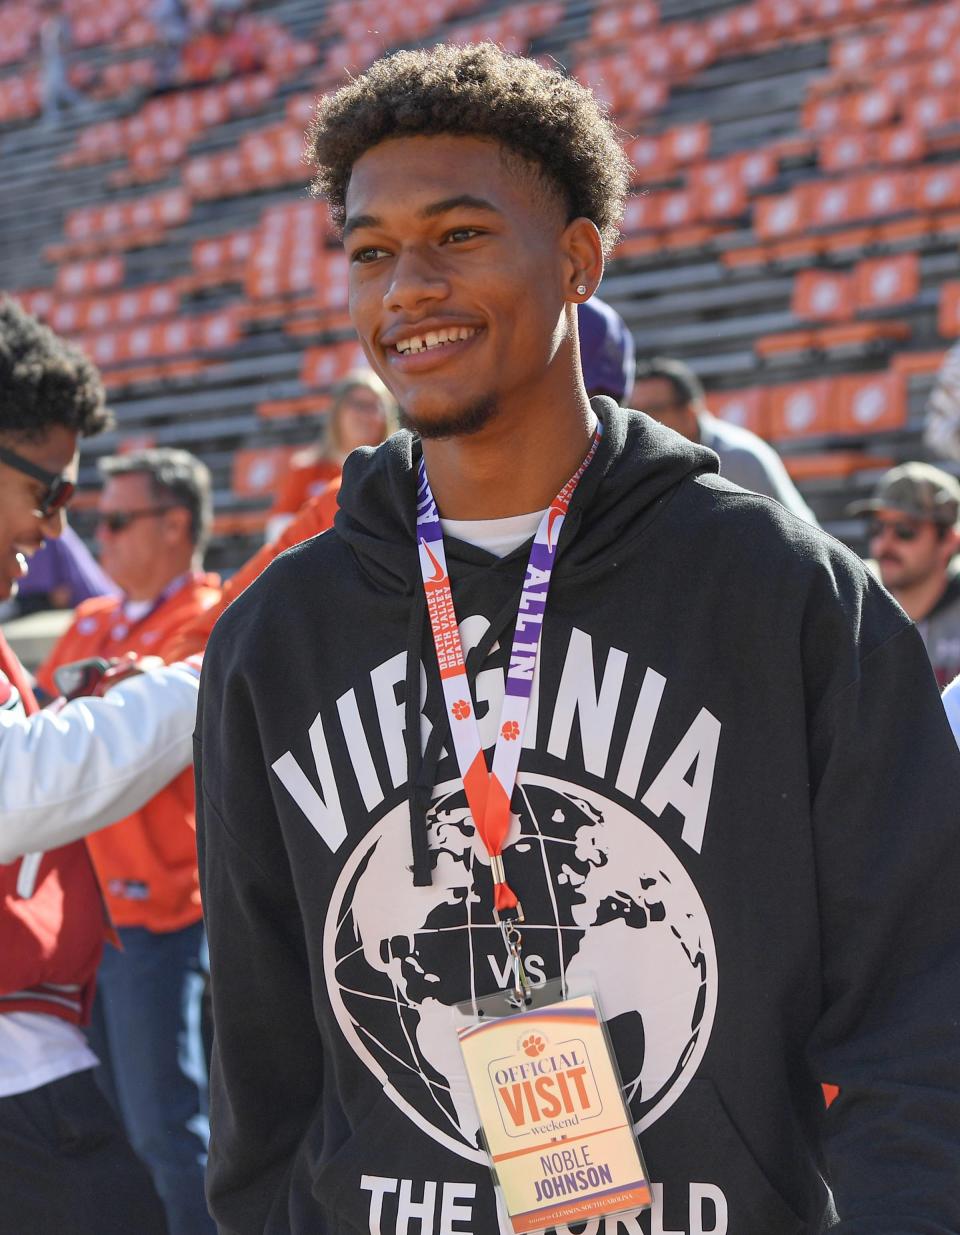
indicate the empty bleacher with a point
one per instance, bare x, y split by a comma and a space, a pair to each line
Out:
792, 231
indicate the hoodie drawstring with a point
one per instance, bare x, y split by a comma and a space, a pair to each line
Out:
422, 765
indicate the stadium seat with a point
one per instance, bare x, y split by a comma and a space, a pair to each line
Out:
886, 281
800, 409
843, 152
746, 408
323, 366
823, 295
938, 188
869, 404
256, 472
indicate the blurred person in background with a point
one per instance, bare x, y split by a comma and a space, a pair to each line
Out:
55, 44
942, 429
171, 20
362, 413
154, 522
606, 350
913, 539
669, 391
65, 1163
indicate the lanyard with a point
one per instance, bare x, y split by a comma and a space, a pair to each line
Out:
489, 793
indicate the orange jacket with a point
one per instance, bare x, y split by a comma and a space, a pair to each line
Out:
146, 863
315, 517
306, 478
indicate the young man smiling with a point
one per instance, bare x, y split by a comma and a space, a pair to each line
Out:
705, 826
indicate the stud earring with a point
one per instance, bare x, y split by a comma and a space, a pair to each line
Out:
581, 289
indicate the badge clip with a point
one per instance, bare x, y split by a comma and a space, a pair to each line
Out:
521, 995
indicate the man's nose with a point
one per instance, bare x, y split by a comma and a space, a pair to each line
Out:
416, 280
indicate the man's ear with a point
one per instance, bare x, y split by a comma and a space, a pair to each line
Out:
583, 259
177, 520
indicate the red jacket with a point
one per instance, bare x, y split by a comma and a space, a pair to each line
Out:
53, 922
147, 863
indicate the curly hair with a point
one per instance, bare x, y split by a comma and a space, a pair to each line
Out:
550, 121
44, 381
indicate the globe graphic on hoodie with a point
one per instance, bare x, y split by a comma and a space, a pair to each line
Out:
608, 906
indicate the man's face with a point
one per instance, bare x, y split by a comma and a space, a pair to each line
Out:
449, 240
657, 397
22, 530
908, 551
130, 555
361, 420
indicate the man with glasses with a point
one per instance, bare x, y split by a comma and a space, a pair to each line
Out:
153, 525
65, 1164
913, 539
669, 391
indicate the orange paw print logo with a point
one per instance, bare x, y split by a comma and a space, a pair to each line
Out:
510, 730
461, 709
534, 1045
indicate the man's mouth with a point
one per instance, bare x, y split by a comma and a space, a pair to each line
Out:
432, 339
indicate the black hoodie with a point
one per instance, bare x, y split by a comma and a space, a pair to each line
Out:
736, 813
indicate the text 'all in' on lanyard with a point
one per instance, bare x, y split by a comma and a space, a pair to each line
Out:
489, 793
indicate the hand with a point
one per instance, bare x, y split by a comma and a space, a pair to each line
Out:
127, 666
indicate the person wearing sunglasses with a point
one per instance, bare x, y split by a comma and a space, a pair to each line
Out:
913, 538
65, 1162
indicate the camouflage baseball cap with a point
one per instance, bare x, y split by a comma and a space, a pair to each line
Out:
916, 489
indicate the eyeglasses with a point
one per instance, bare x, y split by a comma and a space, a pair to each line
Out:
900, 531
59, 490
119, 520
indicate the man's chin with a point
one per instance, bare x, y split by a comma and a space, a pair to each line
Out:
462, 421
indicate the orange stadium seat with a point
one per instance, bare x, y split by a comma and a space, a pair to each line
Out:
938, 187
640, 213
905, 143
256, 472
833, 203
932, 111
747, 408
948, 316
869, 404
887, 192
323, 366
81, 277
886, 281
823, 295
872, 109
724, 200
775, 217
800, 409
687, 143
613, 25
842, 152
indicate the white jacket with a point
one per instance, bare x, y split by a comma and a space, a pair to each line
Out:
65, 774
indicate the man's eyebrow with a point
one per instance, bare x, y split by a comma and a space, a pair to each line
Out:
430, 211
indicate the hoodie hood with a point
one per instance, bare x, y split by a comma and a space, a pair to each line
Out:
637, 467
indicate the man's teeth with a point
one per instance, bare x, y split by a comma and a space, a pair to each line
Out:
434, 338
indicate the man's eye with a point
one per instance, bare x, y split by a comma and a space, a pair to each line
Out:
462, 233
363, 256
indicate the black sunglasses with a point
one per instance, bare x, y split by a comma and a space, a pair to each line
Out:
59, 490
118, 520
901, 531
